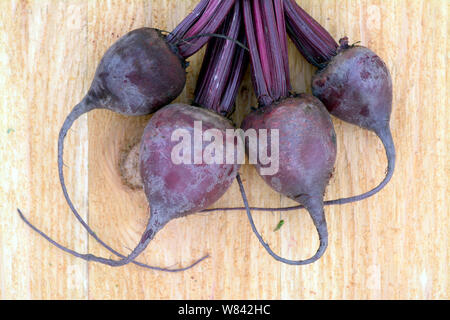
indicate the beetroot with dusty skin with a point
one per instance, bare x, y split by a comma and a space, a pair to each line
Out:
352, 81
173, 190
307, 154
356, 86
307, 141
177, 190
137, 75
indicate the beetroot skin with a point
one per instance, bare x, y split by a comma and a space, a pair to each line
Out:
138, 75
177, 190
307, 143
174, 190
356, 87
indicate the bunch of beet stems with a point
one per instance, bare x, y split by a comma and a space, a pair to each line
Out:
318, 47
224, 66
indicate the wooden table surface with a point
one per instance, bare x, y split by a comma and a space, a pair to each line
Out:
392, 246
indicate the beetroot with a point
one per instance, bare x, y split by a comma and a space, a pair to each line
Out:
356, 87
177, 190
179, 187
142, 72
306, 138
307, 155
352, 81
128, 81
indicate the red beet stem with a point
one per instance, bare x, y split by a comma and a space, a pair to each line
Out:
206, 18
180, 31
223, 67
311, 39
280, 18
267, 43
259, 82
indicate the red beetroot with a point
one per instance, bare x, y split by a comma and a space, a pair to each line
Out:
177, 190
352, 81
356, 86
307, 141
307, 154
128, 81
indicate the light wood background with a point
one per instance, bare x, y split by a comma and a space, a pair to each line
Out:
393, 246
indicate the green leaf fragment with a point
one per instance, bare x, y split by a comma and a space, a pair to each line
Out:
280, 224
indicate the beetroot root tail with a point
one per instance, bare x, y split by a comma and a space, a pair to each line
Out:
316, 211
113, 263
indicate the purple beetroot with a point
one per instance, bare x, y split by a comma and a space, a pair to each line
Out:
177, 190
307, 154
352, 82
129, 81
306, 137
142, 72
356, 87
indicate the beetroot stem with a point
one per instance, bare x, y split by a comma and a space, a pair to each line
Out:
208, 23
311, 39
281, 22
268, 49
210, 10
259, 82
280, 82
223, 67
181, 29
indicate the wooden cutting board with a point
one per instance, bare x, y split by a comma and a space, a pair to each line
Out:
392, 246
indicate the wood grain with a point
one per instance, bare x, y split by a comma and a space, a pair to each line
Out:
393, 246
